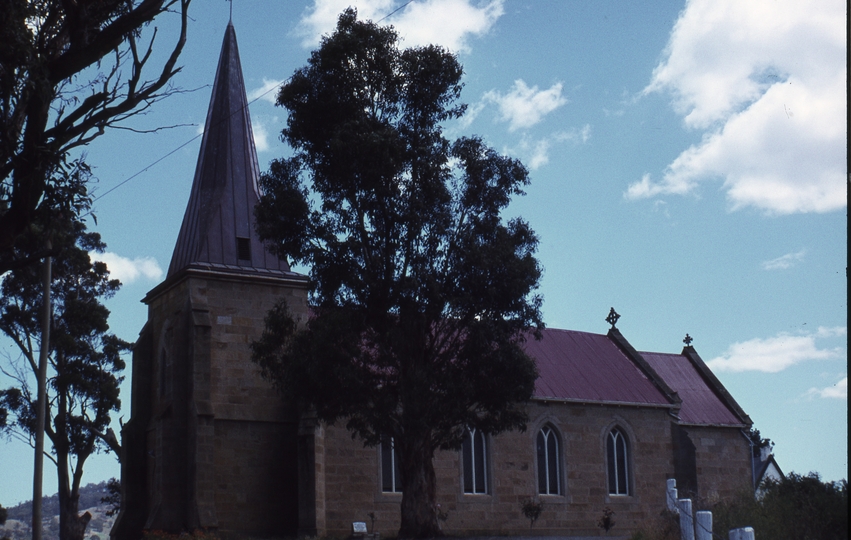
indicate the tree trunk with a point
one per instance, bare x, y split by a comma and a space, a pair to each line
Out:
419, 490
72, 526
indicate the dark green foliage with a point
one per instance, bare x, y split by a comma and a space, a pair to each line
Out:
758, 442
607, 520
794, 508
3, 514
85, 359
422, 294
113, 496
532, 508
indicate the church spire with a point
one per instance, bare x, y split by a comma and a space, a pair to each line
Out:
218, 226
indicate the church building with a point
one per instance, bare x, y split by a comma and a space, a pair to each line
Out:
210, 444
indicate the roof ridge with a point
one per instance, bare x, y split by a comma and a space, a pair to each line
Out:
715, 384
615, 335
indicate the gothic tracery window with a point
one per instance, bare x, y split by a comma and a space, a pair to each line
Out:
549, 474
475, 456
617, 462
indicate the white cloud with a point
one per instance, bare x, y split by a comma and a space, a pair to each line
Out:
777, 353
450, 23
266, 92
784, 261
831, 331
523, 107
540, 153
129, 270
836, 391
765, 81
261, 135
536, 153
471, 114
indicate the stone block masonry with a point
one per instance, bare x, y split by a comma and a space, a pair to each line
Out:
353, 484
222, 443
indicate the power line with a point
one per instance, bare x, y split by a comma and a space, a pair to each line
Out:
155, 162
394, 11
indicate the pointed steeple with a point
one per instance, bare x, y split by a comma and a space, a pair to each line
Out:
218, 226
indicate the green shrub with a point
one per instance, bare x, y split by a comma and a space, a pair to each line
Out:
793, 508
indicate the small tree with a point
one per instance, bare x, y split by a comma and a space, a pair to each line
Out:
607, 520
532, 508
112, 499
421, 293
85, 361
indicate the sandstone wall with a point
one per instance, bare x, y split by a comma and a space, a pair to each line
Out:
222, 441
353, 488
722, 459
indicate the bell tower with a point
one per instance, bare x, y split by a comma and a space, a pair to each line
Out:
210, 444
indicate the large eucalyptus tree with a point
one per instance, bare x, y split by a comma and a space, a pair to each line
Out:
422, 293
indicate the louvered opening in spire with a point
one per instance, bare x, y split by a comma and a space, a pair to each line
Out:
218, 226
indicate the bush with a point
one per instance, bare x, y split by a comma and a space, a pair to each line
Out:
666, 526
532, 508
793, 508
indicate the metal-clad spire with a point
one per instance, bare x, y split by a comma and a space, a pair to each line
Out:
218, 226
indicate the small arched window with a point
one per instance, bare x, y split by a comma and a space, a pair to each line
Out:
549, 474
617, 460
475, 456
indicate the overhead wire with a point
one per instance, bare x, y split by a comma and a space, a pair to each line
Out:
181, 146
146, 167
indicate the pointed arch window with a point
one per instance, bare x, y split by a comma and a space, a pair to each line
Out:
390, 478
617, 460
475, 456
549, 473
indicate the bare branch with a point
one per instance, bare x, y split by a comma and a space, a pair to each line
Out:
155, 130
67, 41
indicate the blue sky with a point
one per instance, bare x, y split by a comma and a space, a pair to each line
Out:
687, 164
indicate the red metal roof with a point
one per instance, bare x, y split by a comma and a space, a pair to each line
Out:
701, 405
580, 366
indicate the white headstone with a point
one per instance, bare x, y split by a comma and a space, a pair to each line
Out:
671, 492
703, 525
745, 533
686, 520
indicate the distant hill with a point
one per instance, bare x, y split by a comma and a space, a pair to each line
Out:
19, 519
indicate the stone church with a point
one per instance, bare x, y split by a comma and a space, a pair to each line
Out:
210, 445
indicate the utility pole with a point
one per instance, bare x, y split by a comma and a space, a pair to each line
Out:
41, 403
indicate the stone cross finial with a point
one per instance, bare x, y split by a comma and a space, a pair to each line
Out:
613, 317
688, 339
